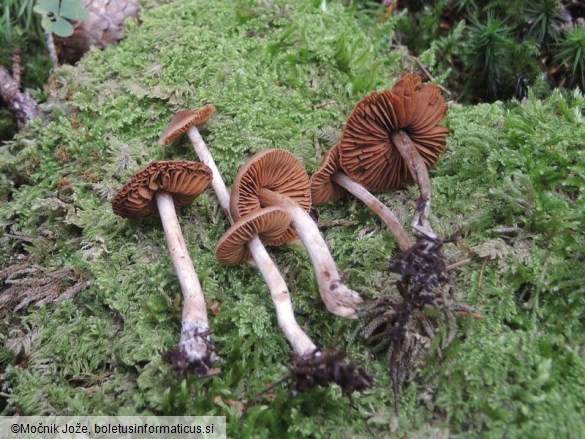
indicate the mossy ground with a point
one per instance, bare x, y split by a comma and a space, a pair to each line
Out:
285, 75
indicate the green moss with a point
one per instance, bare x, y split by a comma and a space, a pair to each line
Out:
513, 176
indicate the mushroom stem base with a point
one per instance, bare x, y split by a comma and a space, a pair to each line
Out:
195, 352
338, 298
196, 342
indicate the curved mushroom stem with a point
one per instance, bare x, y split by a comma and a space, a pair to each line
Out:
338, 298
195, 341
360, 192
298, 339
418, 169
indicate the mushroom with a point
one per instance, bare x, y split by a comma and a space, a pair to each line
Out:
392, 134
278, 290
186, 121
329, 183
159, 187
241, 242
276, 178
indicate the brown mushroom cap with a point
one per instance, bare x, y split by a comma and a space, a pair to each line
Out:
270, 224
367, 154
184, 120
274, 169
184, 180
323, 189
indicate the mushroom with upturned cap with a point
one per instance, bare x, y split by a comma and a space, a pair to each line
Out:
275, 177
392, 134
329, 183
240, 243
159, 187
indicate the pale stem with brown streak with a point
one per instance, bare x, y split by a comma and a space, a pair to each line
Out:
361, 193
418, 169
338, 298
299, 340
194, 319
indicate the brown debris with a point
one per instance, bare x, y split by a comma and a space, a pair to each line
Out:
322, 369
401, 325
28, 284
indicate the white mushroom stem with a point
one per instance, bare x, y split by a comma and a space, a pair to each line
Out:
299, 340
361, 193
195, 340
338, 298
418, 169
217, 183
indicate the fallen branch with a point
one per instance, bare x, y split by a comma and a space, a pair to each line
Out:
19, 103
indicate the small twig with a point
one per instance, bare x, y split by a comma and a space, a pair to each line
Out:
509, 231
51, 48
391, 7
16, 67
480, 280
317, 147
335, 223
19, 103
336, 338
475, 314
323, 104
256, 397
428, 74
23, 238
458, 264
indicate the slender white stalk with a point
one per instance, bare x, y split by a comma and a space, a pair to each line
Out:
418, 170
217, 183
338, 298
377, 206
194, 319
299, 340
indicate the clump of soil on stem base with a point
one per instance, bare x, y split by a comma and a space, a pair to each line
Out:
321, 369
182, 365
403, 326
329, 367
